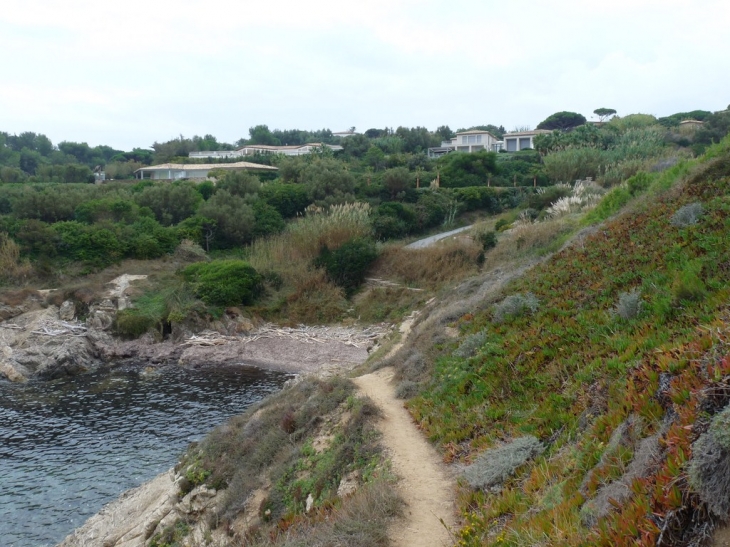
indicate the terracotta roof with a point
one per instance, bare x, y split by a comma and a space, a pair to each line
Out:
476, 132
208, 166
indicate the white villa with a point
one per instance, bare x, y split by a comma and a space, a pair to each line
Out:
251, 149
521, 140
177, 171
474, 140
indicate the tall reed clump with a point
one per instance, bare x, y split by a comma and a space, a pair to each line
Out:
12, 268
303, 239
584, 195
304, 293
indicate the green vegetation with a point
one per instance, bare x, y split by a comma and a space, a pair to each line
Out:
224, 282
285, 442
628, 345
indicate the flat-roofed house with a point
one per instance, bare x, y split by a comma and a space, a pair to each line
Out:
522, 140
251, 149
474, 140
177, 171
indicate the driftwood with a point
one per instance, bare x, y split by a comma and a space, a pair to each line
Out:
60, 328
355, 337
13, 327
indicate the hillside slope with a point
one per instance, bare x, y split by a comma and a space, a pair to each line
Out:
613, 354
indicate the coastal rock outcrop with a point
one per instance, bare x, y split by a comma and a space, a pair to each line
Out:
38, 343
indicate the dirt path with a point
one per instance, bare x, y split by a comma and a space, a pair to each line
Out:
428, 241
425, 484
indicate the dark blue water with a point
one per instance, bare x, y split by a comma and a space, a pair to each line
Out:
69, 446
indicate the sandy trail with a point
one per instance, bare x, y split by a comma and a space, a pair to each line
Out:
425, 484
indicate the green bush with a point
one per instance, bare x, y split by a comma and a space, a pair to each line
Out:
347, 265
639, 183
288, 199
393, 220
224, 282
132, 324
478, 197
496, 465
268, 219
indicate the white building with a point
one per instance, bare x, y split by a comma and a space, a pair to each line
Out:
474, 140
251, 149
521, 140
177, 171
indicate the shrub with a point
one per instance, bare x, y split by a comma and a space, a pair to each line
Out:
502, 224
347, 265
515, 306
224, 282
471, 344
639, 182
132, 324
288, 199
687, 215
629, 305
709, 470
487, 239
496, 465
407, 389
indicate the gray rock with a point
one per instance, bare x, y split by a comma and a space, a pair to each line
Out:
67, 312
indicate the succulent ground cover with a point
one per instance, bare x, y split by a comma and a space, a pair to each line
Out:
602, 392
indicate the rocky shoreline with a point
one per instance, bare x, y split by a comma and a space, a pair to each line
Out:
49, 342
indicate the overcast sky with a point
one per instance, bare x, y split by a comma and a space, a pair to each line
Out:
130, 73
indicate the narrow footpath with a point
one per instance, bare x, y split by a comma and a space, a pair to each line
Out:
425, 484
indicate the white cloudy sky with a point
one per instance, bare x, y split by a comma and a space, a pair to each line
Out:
130, 73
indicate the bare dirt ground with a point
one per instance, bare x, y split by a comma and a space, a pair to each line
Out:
425, 484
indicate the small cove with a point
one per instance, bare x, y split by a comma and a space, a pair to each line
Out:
71, 445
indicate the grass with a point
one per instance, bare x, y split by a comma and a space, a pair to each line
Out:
570, 373
298, 443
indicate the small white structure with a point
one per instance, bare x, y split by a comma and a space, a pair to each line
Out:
522, 140
215, 154
471, 141
177, 171
343, 134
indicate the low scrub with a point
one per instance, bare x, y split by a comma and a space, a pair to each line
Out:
709, 470
493, 467
514, 306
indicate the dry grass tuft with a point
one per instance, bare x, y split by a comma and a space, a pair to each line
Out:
429, 267
12, 268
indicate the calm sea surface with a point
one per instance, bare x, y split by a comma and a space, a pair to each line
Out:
69, 446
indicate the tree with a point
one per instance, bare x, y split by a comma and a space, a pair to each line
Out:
235, 219
397, 180
604, 113
327, 178
564, 121
375, 158
444, 132
260, 134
